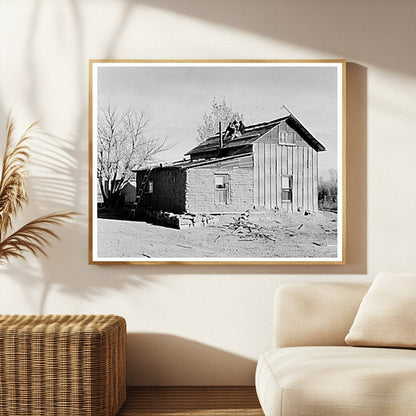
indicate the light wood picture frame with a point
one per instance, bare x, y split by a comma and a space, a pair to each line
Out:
217, 162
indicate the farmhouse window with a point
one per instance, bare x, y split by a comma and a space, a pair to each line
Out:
286, 137
222, 188
287, 184
149, 187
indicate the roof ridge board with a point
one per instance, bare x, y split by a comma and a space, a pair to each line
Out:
254, 126
235, 142
266, 123
213, 144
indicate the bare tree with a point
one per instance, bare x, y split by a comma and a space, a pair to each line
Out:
219, 112
123, 144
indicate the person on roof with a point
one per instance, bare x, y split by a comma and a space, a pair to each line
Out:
241, 127
231, 130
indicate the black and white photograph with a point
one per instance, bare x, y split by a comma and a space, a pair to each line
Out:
217, 162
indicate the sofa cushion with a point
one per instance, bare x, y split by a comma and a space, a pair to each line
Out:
342, 381
315, 314
387, 314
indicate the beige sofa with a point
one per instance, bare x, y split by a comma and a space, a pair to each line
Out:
312, 371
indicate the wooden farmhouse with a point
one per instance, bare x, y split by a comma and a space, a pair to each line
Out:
269, 166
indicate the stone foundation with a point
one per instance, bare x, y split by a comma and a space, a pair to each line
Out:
178, 221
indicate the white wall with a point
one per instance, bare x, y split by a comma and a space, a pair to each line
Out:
200, 324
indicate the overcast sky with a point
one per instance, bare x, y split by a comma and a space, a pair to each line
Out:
176, 97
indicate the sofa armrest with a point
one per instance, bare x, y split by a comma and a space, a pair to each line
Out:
315, 313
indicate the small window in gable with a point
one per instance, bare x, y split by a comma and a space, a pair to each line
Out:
286, 137
282, 136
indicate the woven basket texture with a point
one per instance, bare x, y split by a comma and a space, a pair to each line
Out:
56, 365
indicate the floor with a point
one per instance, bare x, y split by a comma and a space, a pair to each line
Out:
187, 401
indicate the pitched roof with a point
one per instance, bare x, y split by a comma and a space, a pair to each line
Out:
186, 164
253, 133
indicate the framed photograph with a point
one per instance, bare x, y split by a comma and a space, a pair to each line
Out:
208, 162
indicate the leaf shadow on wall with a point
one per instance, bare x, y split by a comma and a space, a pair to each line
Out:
164, 359
60, 181
333, 27
53, 186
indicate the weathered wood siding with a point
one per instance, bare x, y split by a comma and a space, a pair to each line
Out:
169, 185
273, 160
200, 186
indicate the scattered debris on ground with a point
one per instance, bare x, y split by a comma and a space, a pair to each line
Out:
248, 230
245, 229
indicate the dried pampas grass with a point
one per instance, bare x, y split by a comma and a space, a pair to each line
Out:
34, 236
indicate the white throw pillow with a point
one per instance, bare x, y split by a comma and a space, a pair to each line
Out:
387, 314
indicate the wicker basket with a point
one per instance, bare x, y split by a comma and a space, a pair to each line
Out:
52, 365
